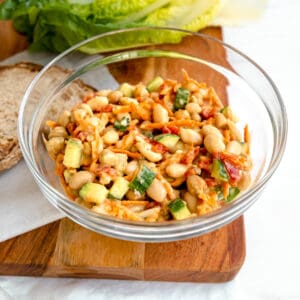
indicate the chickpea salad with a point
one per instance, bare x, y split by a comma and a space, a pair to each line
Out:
162, 151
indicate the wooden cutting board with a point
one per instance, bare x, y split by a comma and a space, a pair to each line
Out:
65, 249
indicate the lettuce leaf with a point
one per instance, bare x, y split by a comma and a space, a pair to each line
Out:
58, 24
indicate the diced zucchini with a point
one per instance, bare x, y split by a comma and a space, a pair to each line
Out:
169, 140
154, 84
224, 110
119, 188
142, 180
179, 209
245, 147
233, 192
127, 89
123, 124
93, 192
148, 134
219, 171
73, 153
182, 98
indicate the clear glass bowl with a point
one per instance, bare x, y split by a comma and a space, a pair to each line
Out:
251, 93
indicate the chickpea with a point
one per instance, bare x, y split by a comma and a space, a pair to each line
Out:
245, 181
193, 108
115, 96
213, 143
203, 92
196, 117
58, 131
98, 102
197, 98
80, 178
127, 89
103, 93
157, 191
140, 91
79, 114
86, 108
128, 100
196, 185
104, 179
176, 170
210, 129
111, 137
221, 121
55, 145
191, 201
190, 136
182, 114
234, 147
234, 131
64, 118
131, 167
160, 114
145, 149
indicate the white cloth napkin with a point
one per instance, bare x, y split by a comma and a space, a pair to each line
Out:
22, 205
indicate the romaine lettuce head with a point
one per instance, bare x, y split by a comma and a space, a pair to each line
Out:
57, 25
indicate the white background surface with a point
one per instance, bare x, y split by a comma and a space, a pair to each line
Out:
271, 269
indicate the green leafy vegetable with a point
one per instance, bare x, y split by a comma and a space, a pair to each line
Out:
122, 124
58, 24
182, 98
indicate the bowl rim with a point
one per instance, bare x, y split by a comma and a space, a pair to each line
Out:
235, 207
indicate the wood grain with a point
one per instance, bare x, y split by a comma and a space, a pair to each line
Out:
65, 249
11, 41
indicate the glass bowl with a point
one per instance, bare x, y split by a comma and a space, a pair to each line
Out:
250, 91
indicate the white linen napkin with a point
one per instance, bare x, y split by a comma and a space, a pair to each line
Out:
22, 205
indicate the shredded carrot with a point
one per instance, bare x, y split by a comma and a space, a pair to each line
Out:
124, 109
247, 137
51, 124
187, 123
134, 202
226, 134
214, 98
128, 153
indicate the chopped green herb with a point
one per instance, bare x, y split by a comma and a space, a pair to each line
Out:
123, 124
182, 98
